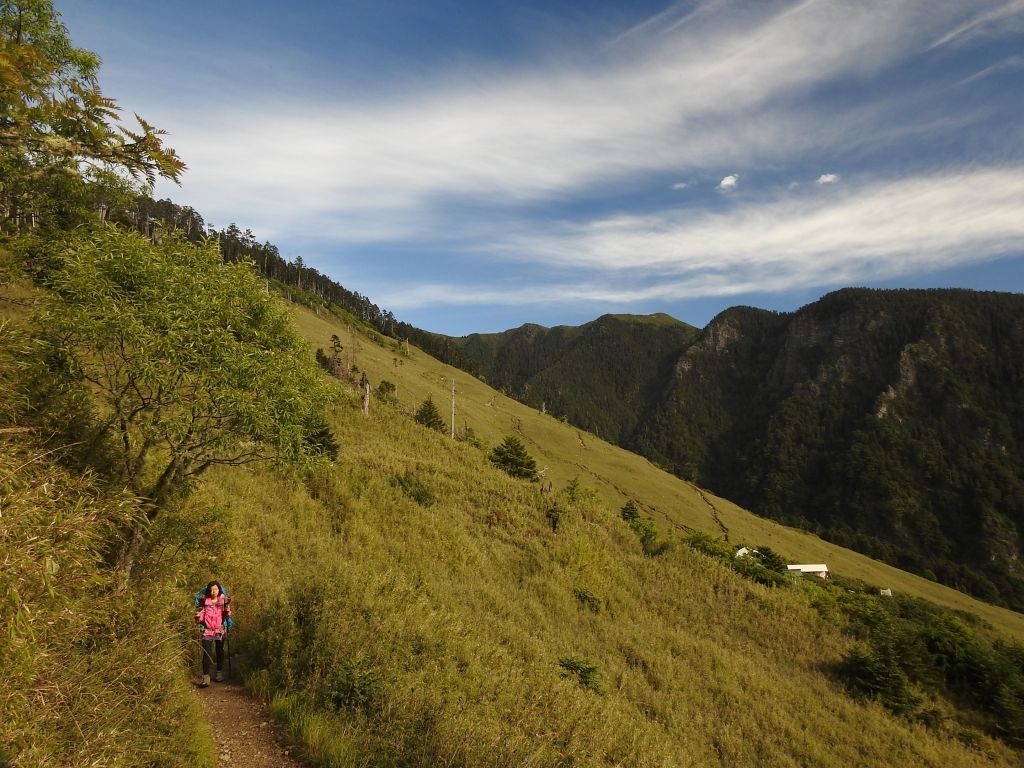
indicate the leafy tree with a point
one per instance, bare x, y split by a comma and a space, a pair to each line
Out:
772, 560
629, 511
191, 362
386, 392
57, 129
512, 457
428, 415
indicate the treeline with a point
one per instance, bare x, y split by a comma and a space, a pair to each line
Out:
149, 216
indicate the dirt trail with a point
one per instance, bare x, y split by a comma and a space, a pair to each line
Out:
242, 730
714, 511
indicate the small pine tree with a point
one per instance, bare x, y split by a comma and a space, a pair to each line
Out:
428, 415
387, 392
629, 511
322, 359
512, 457
322, 441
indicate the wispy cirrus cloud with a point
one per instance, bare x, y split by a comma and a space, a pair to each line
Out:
718, 86
453, 172
876, 231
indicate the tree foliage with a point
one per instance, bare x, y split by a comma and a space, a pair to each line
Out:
191, 362
57, 128
511, 455
428, 415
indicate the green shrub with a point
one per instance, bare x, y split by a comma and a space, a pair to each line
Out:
587, 599
323, 442
512, 457
754, 569
414, 488
709, 545
577, 493
386, 392
648, 535
772, 560
875, 674
629, 511
354, 684
585, 672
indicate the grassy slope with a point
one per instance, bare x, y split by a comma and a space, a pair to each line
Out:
389, 633
617, 474
89, 675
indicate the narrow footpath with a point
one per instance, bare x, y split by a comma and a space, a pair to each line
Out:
242, 730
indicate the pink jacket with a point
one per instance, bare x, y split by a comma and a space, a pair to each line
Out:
212, 616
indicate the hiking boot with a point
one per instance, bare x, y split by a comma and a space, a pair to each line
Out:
219, 677
205, 682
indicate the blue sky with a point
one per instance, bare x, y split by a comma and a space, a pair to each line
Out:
474, 166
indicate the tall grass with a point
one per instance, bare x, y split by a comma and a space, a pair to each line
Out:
565, 452
387, 632
90, 673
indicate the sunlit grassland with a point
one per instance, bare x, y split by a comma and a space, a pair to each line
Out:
89, 675
385, 632
566, 452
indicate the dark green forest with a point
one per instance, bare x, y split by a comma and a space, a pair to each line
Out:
891, 422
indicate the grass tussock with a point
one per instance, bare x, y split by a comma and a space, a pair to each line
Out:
471, 632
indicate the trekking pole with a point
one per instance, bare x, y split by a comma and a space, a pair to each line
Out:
227, 652
199, 641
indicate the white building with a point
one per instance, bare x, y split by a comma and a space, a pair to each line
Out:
816, 569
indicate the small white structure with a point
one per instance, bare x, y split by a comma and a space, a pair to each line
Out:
744, 551
816, 569
887, 592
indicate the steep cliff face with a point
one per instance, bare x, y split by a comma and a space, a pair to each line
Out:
892, 422
889, 421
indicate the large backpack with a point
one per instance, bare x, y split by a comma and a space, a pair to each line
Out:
201, 595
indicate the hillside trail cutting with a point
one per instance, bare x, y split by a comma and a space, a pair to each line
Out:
243, 731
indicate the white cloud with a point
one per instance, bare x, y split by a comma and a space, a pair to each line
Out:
1004, 17
729, 183
680, 185
723, 87
829, 178
875, 232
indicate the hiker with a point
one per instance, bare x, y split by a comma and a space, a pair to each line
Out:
213, 617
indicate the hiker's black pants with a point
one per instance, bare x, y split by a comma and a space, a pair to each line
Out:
208, 644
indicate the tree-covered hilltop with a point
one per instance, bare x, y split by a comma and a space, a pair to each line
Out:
888, 421
599, 376
149, 216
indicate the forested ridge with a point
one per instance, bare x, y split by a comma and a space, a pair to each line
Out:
309, 285
891, 422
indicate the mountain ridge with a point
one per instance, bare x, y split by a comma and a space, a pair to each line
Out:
861, 416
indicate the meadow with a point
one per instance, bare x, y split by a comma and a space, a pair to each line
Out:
413, 605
